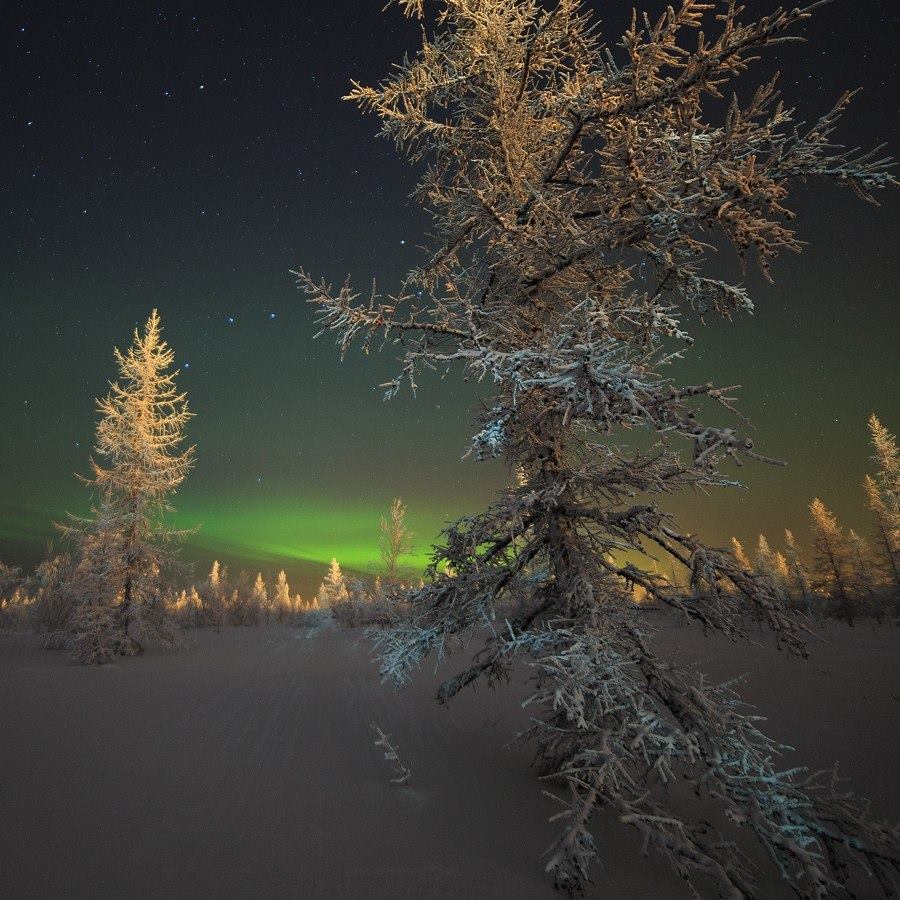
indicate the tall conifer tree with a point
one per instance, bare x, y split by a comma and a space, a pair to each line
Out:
554, 168
137, 467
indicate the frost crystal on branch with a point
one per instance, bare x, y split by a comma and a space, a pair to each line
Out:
558, 170
390, 754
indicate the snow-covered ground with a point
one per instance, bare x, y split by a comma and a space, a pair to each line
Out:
245, 766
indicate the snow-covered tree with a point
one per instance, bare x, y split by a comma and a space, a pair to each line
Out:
395, 541
764, 564
10, 579
833, 559
282, 596
883, 496
260, 597
333, 589
863, 574
781, 570
574, 196
216, 576
244, 604
53, 584
138, 465
212, 597
737, 548
12, 603
797, 576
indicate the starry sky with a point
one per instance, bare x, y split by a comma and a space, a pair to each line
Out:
186, 156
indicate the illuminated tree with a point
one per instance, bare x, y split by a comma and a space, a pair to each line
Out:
782, 570
10, 579
212, 597
395, 541
11, 595
260, 597
216, 576
883, 495
282, 597
764, 563
552, 172
833, 558
54, 583
124, 544
737, 548
333, 589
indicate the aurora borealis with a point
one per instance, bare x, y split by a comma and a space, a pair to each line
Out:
187, 159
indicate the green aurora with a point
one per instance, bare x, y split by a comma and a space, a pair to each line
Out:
150, 195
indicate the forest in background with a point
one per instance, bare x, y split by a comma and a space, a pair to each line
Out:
553, 167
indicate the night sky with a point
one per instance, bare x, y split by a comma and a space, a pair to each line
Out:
186, 156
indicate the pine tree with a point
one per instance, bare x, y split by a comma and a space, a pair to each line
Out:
122, 547
552, 171
883, 495
833, 561
395, 541
333, 589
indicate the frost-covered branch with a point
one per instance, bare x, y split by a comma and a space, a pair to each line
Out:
577, 193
